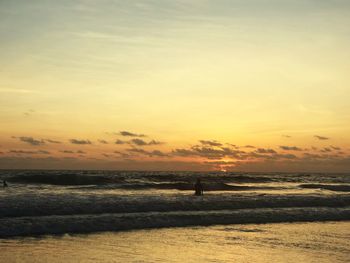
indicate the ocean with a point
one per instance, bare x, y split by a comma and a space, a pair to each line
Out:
300, 214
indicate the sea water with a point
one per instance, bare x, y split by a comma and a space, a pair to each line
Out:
43, 212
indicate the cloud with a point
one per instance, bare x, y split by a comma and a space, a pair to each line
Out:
103, 141
103, 163
326, 149
335, 148
286, 136
262, 150
130, 134
210, 143
322, 138
136, 150
220, 162
283, 156
153, 153
306, 164
290, 148
268, 163
29, 152
29, 112
183, 152
249, 146
70, 151
140, 142
233, 145
77, 141
124, 155
53, 141
312, 156
66, 151
153, 142
36, 142
158, 153
226, 154
43, 152
120, 142
31, 140
208, 152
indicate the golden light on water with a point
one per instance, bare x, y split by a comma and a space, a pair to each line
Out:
305, 242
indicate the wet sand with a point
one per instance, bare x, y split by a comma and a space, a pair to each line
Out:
261, 243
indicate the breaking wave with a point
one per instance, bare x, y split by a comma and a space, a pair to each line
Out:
32, 226
75, 204
332, 187
58, 202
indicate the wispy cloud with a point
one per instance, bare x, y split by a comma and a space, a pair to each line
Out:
35, 142
154, 142
335, 148
67, 151
263, 150
326, 150
22, 91
29, 152
140, 142
208, 152
290, 148
120, 142
130, 134
53, 141
31, 140
122, 154
211, 143
322, 138
29, 112
78, 141
154, 153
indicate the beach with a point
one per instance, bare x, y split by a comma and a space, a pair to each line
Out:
261, 243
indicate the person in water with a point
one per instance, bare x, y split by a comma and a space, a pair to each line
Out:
198, 187
4, 183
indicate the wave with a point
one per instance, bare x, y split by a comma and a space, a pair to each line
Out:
183, 181
62, 179
76, 204
208, 187
31, 226
332, 187
66, 178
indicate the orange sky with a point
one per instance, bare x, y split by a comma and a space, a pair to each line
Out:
175, 85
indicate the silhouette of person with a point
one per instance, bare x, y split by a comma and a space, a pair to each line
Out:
198, 187
4, 183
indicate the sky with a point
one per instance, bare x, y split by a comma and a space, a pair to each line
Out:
218, 85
